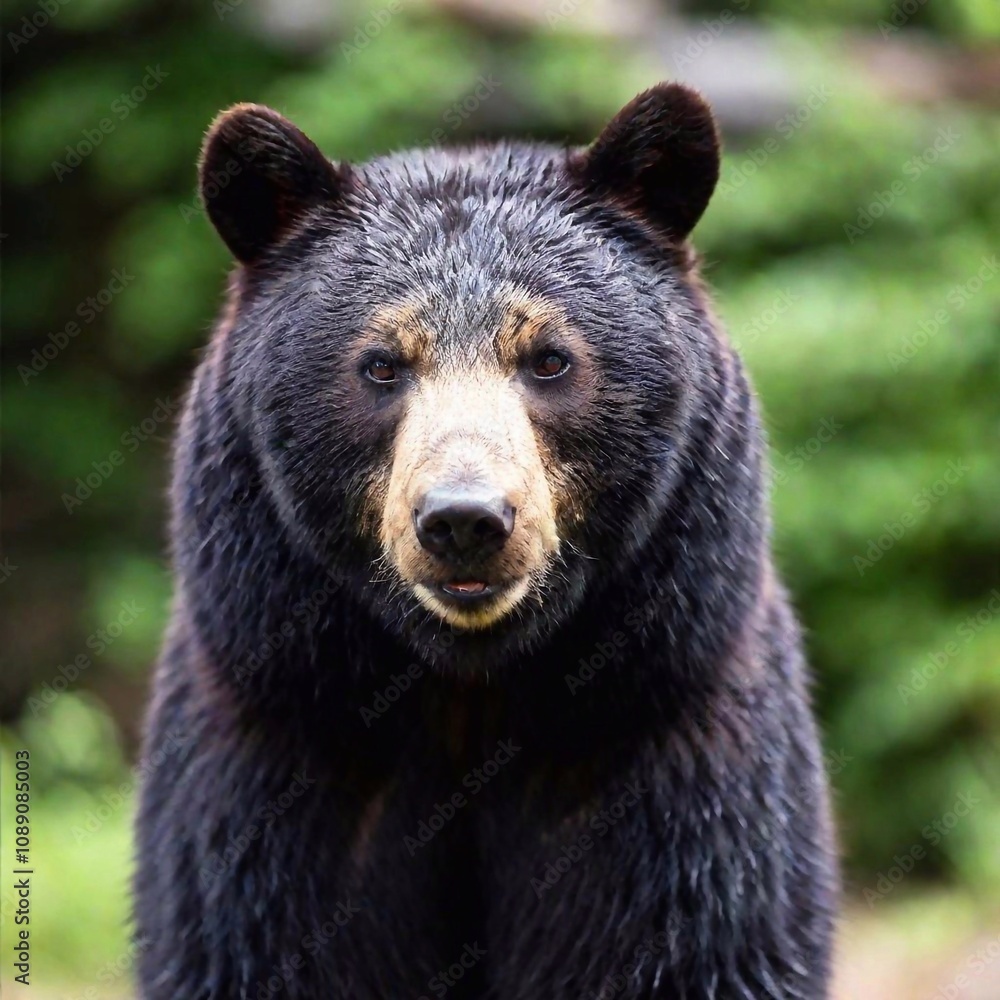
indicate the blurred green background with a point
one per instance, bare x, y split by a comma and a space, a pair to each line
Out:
852, 248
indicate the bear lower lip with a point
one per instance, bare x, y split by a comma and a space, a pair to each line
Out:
467, 591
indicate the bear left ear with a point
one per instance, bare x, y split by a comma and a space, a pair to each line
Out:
259, 175
658, 157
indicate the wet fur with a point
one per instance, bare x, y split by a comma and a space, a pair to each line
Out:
665, 566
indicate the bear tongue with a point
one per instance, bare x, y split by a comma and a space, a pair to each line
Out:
467, 586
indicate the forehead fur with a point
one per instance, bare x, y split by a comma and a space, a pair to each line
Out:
531, 178
461, 223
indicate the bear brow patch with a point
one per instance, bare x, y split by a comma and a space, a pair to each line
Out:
524, 318
403, 325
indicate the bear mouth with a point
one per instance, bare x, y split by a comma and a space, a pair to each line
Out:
467, 591
470, 603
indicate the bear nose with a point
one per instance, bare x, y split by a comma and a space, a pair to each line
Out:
462, 522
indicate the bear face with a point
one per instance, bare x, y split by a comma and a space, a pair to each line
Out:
468, 377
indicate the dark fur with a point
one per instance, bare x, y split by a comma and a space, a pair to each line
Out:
727, 851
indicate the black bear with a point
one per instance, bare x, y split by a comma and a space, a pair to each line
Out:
479, 680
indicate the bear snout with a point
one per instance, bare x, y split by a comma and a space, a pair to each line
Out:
459, 524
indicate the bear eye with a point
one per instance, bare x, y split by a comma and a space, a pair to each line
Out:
381, 370
550, 364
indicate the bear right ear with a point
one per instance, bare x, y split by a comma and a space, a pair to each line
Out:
657, 158
259, 175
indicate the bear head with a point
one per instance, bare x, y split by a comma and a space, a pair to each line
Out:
468, 375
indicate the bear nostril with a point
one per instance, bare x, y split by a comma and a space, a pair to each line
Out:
439, 530
488, 528
463, 523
